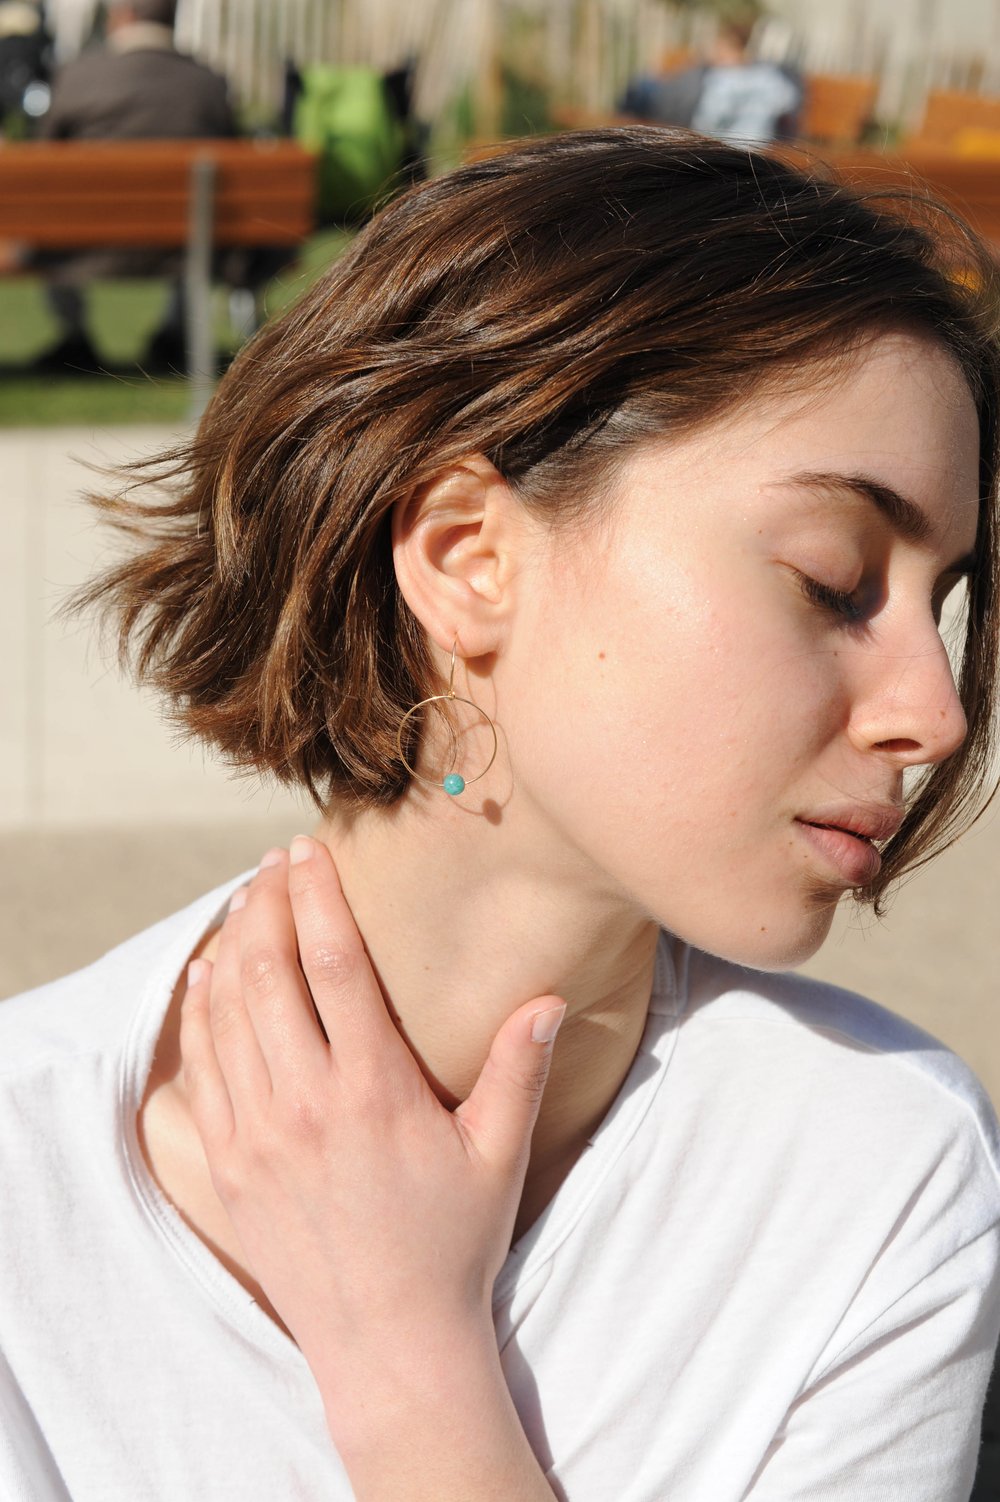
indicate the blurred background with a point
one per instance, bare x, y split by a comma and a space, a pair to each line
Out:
106, 822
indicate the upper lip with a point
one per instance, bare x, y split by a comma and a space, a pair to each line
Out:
873, 821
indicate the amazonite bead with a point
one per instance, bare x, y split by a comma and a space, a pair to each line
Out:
453, 783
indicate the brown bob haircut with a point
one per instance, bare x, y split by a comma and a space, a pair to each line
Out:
549, 307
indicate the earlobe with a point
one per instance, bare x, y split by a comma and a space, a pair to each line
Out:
451, 542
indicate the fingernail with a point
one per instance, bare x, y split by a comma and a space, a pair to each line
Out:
301, 850
545, 1025
197, 970
237, 900
272, 858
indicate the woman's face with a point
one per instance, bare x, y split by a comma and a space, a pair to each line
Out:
750, 650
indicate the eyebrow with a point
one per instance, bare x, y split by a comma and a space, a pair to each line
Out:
904, 515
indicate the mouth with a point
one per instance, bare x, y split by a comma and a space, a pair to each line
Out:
852, 854
843, 829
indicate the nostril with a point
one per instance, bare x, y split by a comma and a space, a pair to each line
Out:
900, 747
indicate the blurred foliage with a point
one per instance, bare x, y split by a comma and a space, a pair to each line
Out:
67, 401
525, 108
121, 317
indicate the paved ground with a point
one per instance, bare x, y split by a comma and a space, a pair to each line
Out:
106, 825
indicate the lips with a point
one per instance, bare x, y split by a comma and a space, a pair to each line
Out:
843, 836
870, 822
853, 856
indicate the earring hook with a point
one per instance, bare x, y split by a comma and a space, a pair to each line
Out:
453, 783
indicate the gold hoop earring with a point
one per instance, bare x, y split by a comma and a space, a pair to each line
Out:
454, 783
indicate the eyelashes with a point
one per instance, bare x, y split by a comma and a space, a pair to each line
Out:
854, 608
845, 606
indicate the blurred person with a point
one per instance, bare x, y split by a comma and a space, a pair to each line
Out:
579, 542
732, 96
137, 86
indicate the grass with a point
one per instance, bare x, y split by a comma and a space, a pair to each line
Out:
121, 316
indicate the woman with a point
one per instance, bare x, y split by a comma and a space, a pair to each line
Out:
581, 543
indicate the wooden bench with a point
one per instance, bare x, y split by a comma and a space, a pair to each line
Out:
951, 112
966, 184
190, 195
837, 107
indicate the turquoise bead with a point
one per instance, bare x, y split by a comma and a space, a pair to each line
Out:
454, 784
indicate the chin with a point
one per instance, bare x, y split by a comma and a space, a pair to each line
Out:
778, 944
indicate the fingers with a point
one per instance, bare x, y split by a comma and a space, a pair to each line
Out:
275, 993
290, 958
337, 968
500, 1113
207, 1093
234, 1037
289, 949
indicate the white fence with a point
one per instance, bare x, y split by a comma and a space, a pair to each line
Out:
583, 51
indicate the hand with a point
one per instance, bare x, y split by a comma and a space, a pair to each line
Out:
374, 1219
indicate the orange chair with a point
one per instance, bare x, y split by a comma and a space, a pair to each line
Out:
977, 144
949, 113
970, 184
837, 108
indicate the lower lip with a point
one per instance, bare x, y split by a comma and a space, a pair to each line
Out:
857, 861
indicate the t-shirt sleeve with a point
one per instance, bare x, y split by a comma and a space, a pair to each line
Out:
896, 1415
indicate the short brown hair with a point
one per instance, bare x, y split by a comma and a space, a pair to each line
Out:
549, 307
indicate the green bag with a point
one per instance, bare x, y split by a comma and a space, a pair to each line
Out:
345, 114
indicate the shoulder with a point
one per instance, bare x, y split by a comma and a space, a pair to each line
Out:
86, 1015
184, 66
93, 61
885, 1094
100, 64
88, 70
819, 1018
778, 78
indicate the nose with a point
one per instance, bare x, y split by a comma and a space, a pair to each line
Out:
911, 709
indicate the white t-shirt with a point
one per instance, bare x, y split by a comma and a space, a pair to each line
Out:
773, 1274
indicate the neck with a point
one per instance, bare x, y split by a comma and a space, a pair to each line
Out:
461, 929
128, 35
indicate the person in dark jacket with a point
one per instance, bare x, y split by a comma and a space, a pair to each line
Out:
136, 87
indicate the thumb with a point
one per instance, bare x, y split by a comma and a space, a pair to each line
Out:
500, 1113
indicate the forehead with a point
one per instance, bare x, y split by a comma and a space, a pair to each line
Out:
899, 411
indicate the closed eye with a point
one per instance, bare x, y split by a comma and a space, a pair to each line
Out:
849, 607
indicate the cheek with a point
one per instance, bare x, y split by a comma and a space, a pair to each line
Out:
648, 704
692, 690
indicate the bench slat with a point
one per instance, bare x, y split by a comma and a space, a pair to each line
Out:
67, 195
971, 187
160, 221
64, 177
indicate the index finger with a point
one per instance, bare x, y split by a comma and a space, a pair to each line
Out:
335, 963
275, 991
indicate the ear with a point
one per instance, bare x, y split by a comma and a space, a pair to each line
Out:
458, 543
